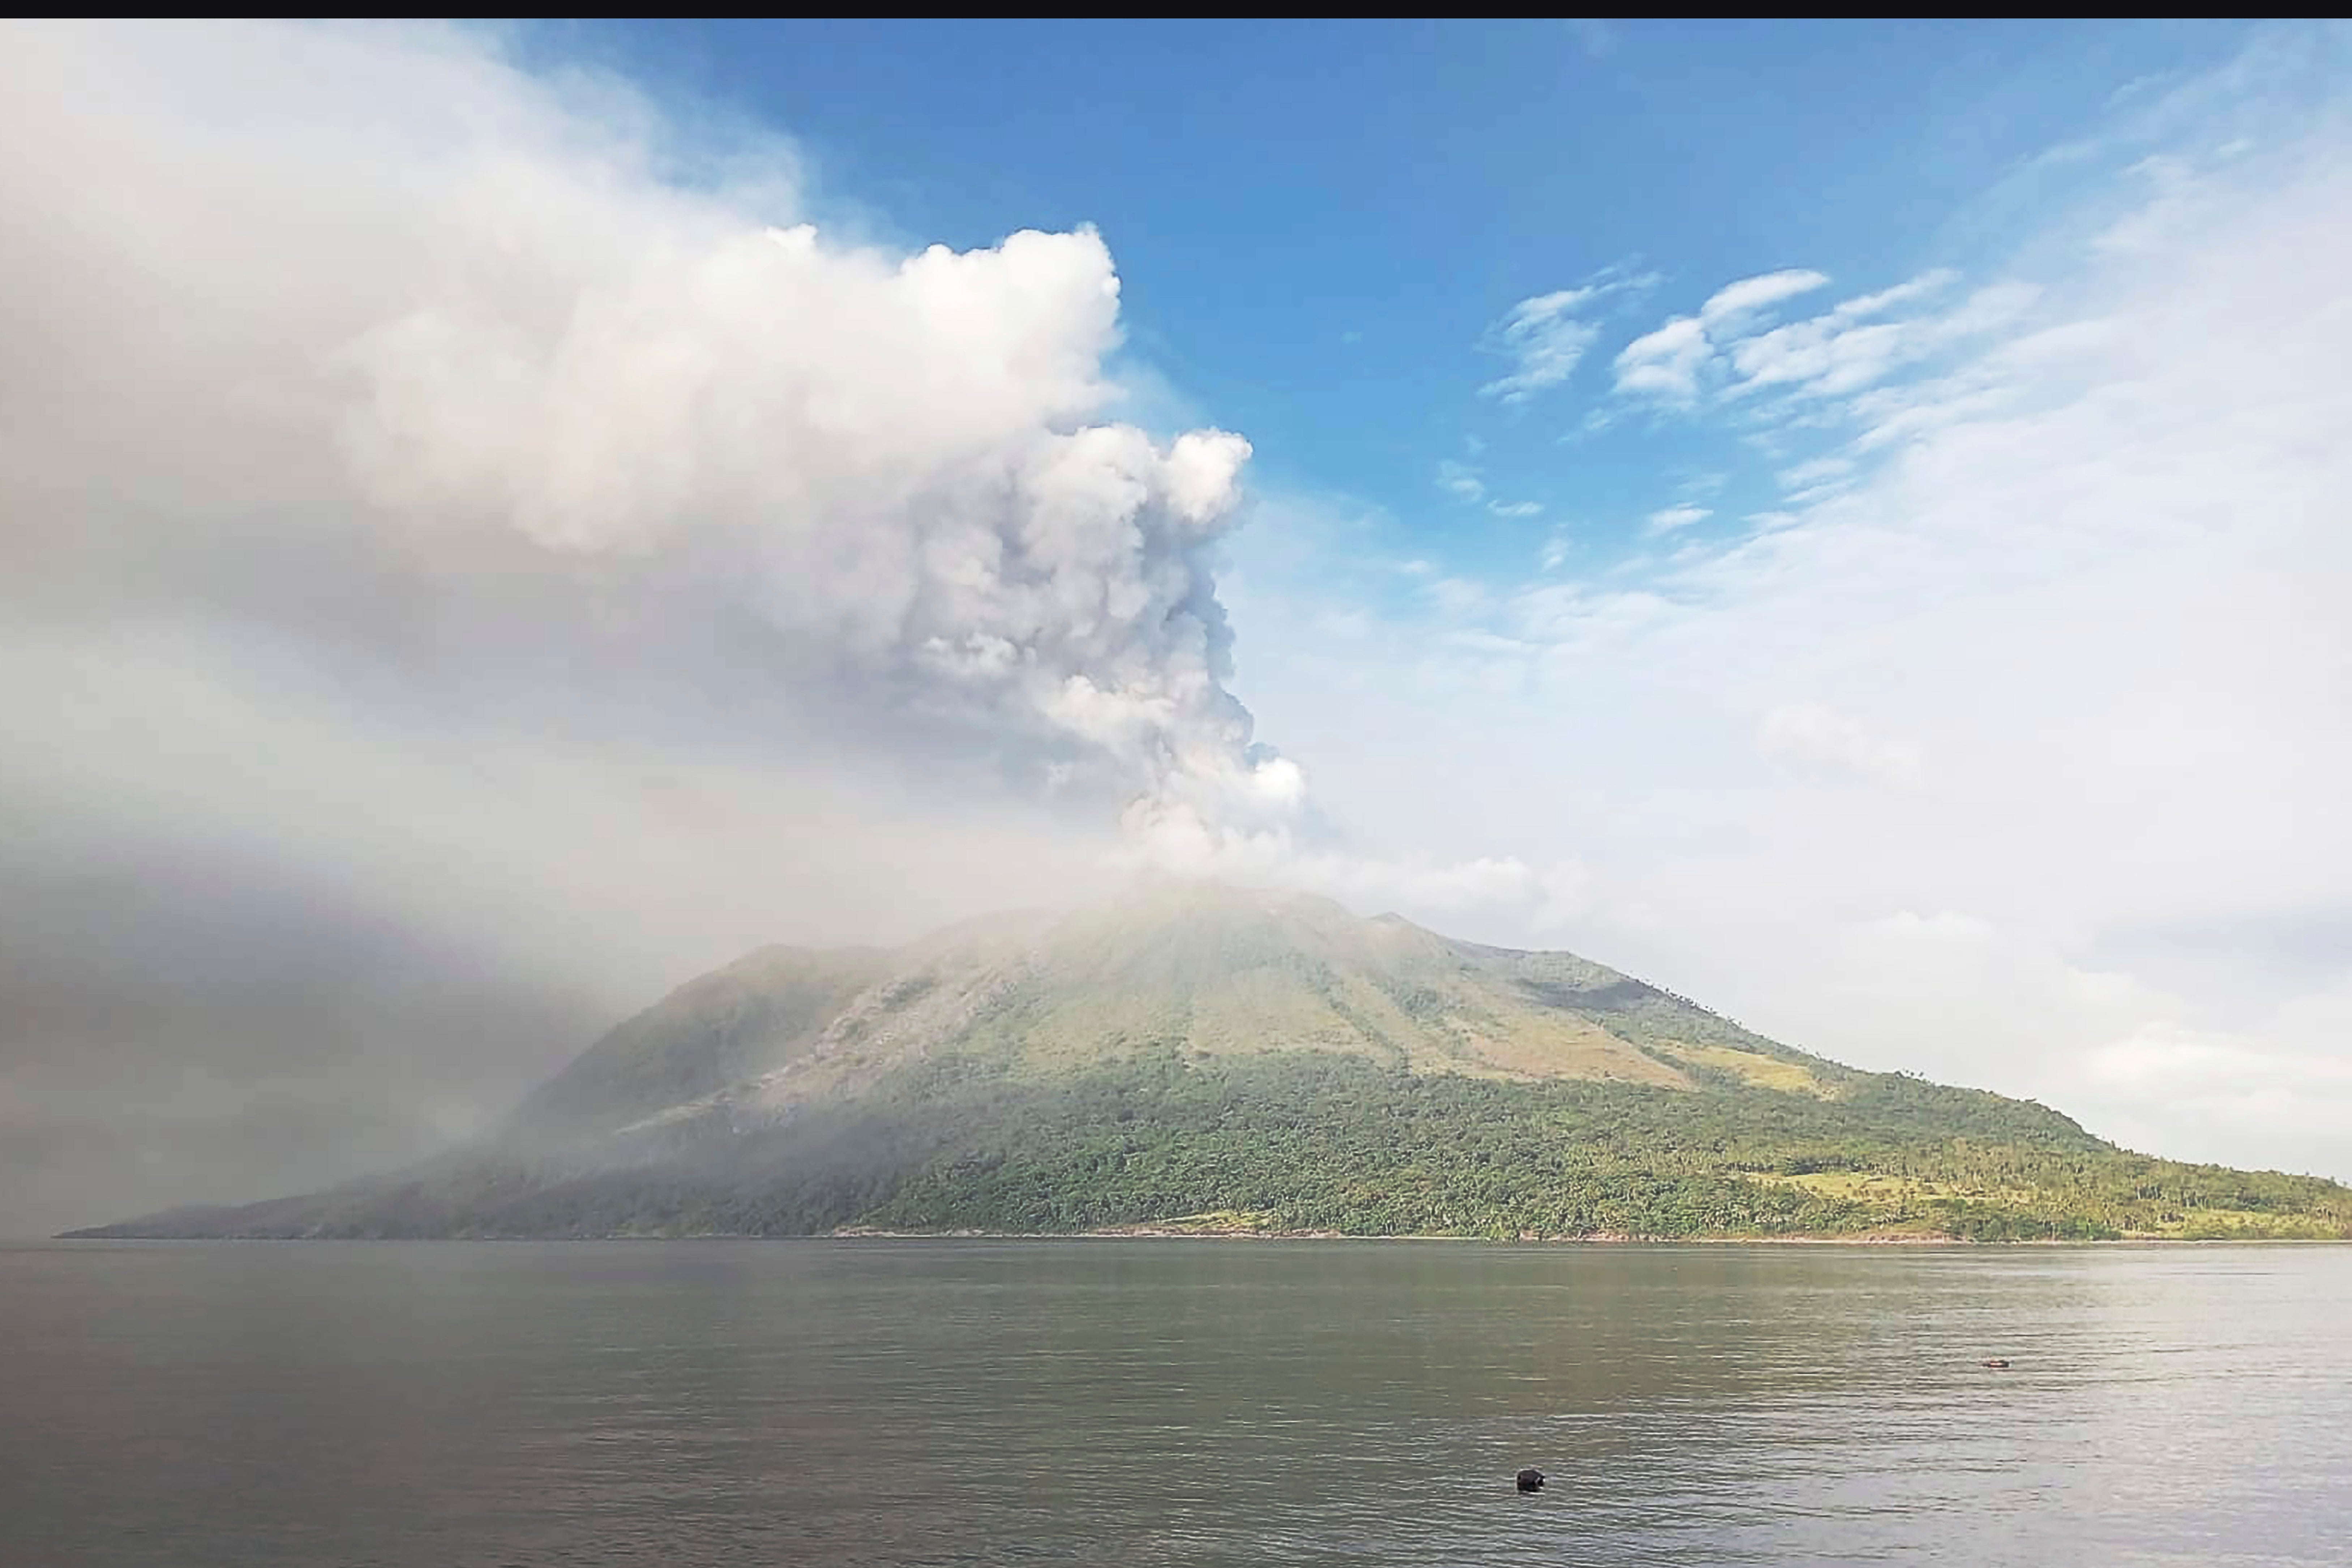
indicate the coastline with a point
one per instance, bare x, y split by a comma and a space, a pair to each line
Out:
1167, 1233
1600, 1238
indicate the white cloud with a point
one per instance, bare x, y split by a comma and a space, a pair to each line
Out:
1460, 481
1665, 363
1668, 519
1841, 351
1926, 284
1814, 471
2281, 1106
1595, 420
2168, 1063
1457, 595
1830, 355
1734, 302
1812, 736
1543, 894
1889, 416
1546, 337
1464, 482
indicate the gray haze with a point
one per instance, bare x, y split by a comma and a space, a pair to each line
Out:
476, 560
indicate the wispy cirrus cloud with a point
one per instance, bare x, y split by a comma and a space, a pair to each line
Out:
1668, 520
1850, 376
1665, 363
1815, 471
1466, 483
1545, 336
1836, 352
1926, 285
1734, 302
1461, 480
1730, 348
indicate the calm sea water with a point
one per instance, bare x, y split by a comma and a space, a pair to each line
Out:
1136, 1403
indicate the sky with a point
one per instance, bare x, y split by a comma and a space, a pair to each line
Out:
1843, 519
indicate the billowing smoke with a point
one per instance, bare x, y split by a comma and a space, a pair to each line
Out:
895, 464
383, 292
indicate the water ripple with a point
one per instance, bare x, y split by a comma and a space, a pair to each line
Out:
1169, 1403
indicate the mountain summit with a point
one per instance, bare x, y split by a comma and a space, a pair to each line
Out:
1209, 1058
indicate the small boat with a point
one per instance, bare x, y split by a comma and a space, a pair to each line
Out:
1996, 1364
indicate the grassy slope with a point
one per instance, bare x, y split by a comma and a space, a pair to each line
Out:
1222, 973
755, 1015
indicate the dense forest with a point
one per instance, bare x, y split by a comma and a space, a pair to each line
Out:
1316, 1142
1309, 1142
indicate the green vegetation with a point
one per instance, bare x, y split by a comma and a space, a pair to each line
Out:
1322, 1143
1750, 1067
1207, 1060
1310, 1141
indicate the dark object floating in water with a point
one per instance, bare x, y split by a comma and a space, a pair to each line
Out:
1998, 1365
1530, 1479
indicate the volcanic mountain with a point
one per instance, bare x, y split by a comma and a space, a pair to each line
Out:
1210, 1059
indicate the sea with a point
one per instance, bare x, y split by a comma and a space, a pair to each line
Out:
1122, 1403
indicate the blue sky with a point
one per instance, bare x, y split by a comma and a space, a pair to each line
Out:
1320, 229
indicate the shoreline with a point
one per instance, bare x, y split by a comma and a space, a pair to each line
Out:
1163, 1233
1601, 1238
1152, 1233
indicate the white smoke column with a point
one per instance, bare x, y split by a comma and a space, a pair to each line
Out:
362, 336
889, 459
380, 278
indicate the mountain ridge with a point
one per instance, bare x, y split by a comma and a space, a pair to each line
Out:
1265, 1058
